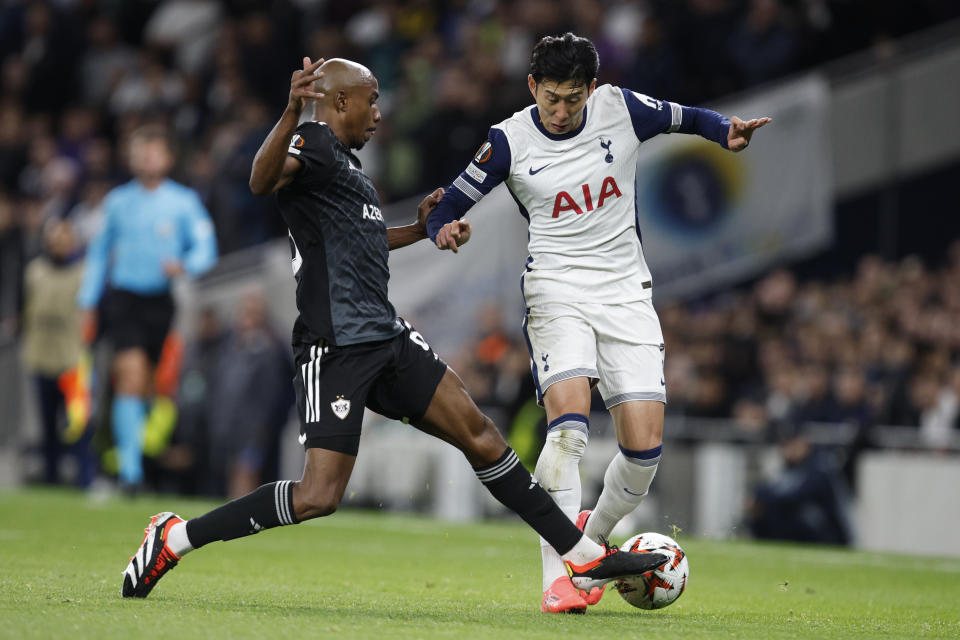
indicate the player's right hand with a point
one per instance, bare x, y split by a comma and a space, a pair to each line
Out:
453, 235
426, 207
302, 85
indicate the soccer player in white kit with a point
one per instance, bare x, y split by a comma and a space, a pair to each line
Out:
570, 163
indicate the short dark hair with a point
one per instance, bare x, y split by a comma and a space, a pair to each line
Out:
562, 58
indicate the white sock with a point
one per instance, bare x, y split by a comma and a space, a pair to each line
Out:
558, 472
625, 485
178, 541
583, 552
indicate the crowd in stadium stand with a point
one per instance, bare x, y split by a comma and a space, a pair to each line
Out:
877, 347
76, 76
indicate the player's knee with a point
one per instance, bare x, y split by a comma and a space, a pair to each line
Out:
317, 509
313, 503
131, 378
642, 441
130, 386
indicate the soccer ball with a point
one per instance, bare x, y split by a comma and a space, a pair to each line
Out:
660, 587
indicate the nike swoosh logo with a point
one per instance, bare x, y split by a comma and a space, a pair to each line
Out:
557, 490
302, 438
535, 172
639, 495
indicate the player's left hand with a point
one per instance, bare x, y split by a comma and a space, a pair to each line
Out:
426, 206
740, 132
453, 235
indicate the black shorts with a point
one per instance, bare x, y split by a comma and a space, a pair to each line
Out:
396, 378
133, 320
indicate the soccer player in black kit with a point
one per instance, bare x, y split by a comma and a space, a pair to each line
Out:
351, 349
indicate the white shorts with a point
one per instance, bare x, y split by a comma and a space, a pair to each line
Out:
620, 345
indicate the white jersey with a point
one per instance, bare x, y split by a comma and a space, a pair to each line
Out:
578, 192
580, 196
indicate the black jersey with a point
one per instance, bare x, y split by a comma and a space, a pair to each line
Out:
338, 243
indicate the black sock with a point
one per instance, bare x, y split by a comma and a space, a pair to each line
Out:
510, 483
268, 506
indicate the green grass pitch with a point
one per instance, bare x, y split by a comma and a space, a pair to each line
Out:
370, 575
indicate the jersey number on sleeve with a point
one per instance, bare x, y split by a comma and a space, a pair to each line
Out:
647, 100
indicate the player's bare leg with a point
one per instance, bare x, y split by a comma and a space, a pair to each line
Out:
639, 426
454, 418
168, 537
567, 403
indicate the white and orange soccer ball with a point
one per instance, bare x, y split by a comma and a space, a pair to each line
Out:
662, 586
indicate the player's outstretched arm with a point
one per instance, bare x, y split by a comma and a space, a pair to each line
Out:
651, 117
402, 236
272, 167
740, 132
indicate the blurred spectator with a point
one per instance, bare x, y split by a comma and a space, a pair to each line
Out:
186, 28
764, 44
710, 397
493, 364
812, 395
655, 68
241, 219
107, 60
700, 29
750, 418
236, 400
49, 177
11, 267
191, 449
939, 420
48, 52
51, 342
452, 131
266, 51
805, 503
87, 213
13, 147
849, 402
150, 88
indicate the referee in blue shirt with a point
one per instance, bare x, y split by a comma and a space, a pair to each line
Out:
153, 230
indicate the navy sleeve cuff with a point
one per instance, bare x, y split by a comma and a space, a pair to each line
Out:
706, 123
452, 206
